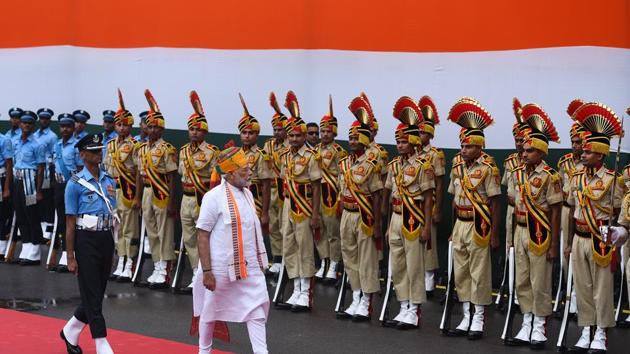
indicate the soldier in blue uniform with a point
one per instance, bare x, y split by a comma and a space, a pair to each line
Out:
80, 120
28, 173
46, 137
109, 131
6, 178
143, 137
90, 199
67, 163
15, 132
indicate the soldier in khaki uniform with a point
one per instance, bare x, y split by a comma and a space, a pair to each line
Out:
197, 161
155, 180
476, 190
537, 191
121, 163
435, 157
257, 158
411, 181
589, 197
330, 153
274, 149
301, 212
624, 220
360, 226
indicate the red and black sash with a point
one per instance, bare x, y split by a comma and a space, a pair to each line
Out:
412, 213
481, 214
201, 187
363, 200
126, 179
538, 223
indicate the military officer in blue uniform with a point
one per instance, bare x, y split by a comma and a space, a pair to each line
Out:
90, 199
6, 178
15, 132
80, 121
48, 138
143, 137
67, 163
109, 131
28, 173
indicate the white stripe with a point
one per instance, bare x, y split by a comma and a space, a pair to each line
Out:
66, 78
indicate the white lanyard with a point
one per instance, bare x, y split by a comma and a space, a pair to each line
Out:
91, 188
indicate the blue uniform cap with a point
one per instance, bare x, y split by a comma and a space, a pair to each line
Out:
45, 113
90, 142
15, 112
28, 117
81, 115
108, 116
65, 118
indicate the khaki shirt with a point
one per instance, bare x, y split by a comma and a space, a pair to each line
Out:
274, 155
378, 152
624, 215
483, 176
511, 162
162, 154
203, 159
598, 189
257, 161
567, 167
416, 176
542, 184
329, 157
625, 174
301, 166
436, 157
363, 172
125, 151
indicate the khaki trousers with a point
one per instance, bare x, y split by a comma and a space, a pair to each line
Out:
564, 227
430, 255
533, 277
328, 245
360, 257
593, 287
189, 213
275, 224
160, 228
473, 270
407, 264
128, 231
298, 251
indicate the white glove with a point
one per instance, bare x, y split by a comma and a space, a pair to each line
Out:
617, 235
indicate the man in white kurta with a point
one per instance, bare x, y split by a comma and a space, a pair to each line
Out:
229, 284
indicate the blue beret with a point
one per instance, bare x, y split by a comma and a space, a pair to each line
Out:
81, 115
65, 118
15, 112
90, 142
45, 113
108, 116
28, 117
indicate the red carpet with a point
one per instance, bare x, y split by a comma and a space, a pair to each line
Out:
34, 334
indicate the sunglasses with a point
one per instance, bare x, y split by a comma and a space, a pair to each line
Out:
312, 133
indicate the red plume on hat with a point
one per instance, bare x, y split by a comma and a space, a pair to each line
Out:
468, 113
429, 110
291, 103
538, 119
598, 118
573, 106
368, 105
122, 115
518, 110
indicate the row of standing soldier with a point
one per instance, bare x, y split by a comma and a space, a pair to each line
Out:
320, 197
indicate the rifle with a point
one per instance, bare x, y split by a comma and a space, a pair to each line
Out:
449, 303
137, 273
11, 243
341, 298
562, 336
384, 317
560, 290
179, 267
51, 260
618, 309
283, 279
509, 318
499, 300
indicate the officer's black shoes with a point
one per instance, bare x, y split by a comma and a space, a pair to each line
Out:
390, 323
157, 286
576, 349
515, 342
299, 308
61, 269
121, 279
596, 351
475, 335
360, 318
537, 345
342, 315
456, 333
283, 306
1, 258
405, 326
623, 324
430, 294
28, 262
72, 349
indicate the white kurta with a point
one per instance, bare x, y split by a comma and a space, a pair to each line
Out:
232, 300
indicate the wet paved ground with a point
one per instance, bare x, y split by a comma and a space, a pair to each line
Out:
159, 313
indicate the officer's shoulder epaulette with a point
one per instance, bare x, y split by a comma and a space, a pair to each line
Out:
111, 143
555, 176
372, 160
509, 157
338, 147
216, 148
343, 159
518, 168
74, 178
488, 160
394, 161
425, 162
184, 147
169, 147
439, 152
564, 158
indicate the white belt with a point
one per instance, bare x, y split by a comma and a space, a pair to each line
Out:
95, 222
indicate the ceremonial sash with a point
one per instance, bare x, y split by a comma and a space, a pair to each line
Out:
481, 215
364, 201
255, 186
159, 181
299, 195
201, 187
126, 180
538, 225
275, 166
602, 253
412, 213
330, 192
